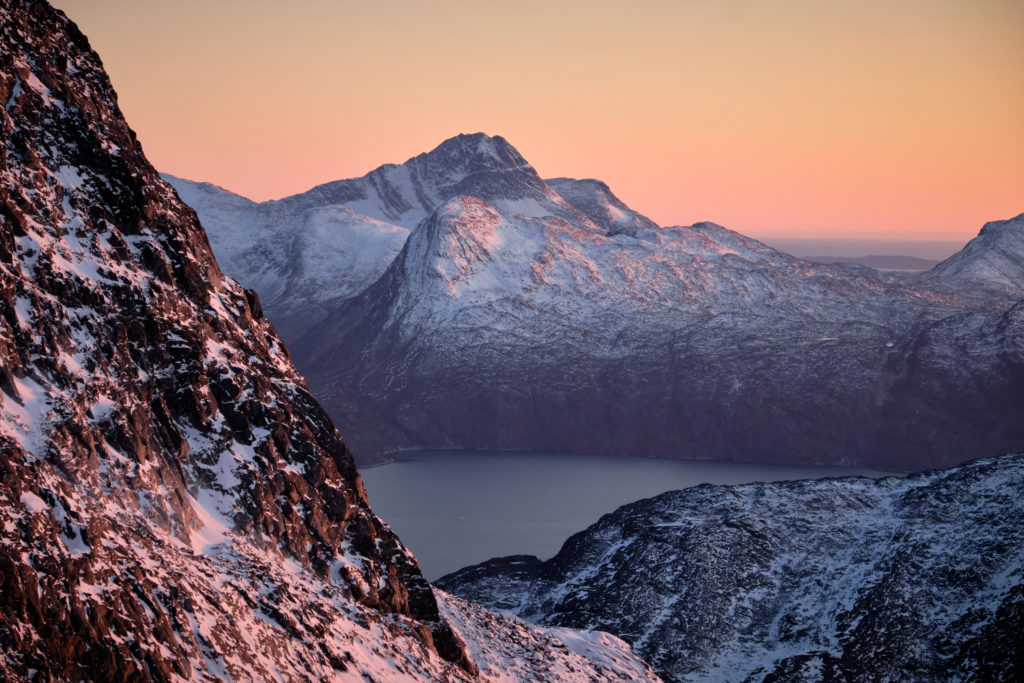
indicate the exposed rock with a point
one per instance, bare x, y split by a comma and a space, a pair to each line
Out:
173, 502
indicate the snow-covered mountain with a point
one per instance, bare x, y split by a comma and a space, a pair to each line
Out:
495, 330
850, 579
306, 253
174, 504
541, 315
523, 314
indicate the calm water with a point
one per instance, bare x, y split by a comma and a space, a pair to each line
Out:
457, 509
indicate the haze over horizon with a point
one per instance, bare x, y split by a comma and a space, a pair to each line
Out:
791, 120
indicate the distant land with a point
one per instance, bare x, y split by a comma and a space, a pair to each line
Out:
881, 261
845, 248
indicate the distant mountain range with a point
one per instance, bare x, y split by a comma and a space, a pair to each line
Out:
460, 301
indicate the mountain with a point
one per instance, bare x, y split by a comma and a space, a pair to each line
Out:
477, 165
918, 578
547, 315
308, 252
174, 504
496, 330
522, 314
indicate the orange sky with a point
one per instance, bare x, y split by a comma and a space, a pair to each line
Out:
833, 118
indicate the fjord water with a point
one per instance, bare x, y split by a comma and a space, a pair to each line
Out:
453, 509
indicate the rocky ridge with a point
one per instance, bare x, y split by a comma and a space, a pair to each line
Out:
918, 578
175, 504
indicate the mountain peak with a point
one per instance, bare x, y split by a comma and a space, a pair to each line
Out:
477, 149
477, 164
1011, 226
404, 194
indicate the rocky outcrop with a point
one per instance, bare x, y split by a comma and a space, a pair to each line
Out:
595, 200
851, 579
174, 504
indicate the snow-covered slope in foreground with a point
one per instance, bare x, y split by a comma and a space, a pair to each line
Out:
174, 505
853, 579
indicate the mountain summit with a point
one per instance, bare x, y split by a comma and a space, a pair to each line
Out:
477, 165
992, 260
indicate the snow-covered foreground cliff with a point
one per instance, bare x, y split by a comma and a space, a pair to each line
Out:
918, 578
174, 504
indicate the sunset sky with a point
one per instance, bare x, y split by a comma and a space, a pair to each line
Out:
901, 120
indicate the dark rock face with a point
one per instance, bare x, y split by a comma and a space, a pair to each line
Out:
149, 410
832, 580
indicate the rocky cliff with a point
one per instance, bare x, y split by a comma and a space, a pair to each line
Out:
174, 504
508, 312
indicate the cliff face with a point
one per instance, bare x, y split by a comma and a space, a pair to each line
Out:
174, 505
149, 410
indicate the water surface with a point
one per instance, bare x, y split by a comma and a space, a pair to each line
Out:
457, 509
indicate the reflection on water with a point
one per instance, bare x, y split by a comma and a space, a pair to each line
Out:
457, 509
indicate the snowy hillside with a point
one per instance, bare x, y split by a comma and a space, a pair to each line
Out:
300, 260
830, 580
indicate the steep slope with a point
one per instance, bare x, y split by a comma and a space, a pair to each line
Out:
496, 330
174, 504
831, 580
